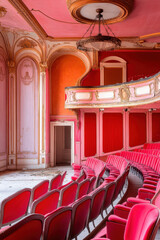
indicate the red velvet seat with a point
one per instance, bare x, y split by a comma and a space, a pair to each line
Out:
96, 204
46, 204
68, 194
55, 182
142, 224
80, 213
29, 228
39, 190
57, 224
109, 188
83, 188
14, 207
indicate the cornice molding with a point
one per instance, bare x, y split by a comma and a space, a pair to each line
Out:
28, 16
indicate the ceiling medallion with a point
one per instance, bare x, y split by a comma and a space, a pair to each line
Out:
113, 10
3, 11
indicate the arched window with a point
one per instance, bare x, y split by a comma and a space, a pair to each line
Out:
112, 70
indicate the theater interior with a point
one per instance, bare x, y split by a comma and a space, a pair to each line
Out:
80, 88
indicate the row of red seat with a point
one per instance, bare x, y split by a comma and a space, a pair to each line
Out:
83, 211
148, 164
116, 166
145, 225
155, 152
91, 167
49, 201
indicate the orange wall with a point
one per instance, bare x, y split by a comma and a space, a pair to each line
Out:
65, 72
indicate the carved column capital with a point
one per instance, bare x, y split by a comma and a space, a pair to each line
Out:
43, 67
11, 66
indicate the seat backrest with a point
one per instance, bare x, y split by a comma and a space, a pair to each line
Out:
55, 182
96, 203
110, 188
68, 194
62, 177
92, 183
47, 203
56, 224
39, 190
80, 213
15, 206
83, 188
143, 222
29, 228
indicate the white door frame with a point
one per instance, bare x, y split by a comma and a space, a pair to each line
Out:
52, 142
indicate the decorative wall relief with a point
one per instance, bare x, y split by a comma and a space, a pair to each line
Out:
27, 109
27, 43
124, 94
27, 72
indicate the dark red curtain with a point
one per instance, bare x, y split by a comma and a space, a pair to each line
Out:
137, 129
155, 127
112, 132
89, 134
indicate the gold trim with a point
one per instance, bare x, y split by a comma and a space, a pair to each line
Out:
3, 12
124, 93
75, 6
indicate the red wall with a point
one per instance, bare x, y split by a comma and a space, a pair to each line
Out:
90, 134
155, 127
140, 64
112, 132
137, 129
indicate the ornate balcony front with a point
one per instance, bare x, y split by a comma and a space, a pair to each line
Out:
133, 93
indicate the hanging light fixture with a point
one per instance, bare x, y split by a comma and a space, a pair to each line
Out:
99, 42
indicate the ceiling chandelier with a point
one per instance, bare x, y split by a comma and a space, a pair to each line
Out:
99, 42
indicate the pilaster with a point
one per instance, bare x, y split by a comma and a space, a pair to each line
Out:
42, 101
12, 115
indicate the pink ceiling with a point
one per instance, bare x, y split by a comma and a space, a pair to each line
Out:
12, 19
144, 19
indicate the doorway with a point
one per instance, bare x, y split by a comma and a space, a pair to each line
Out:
61, 143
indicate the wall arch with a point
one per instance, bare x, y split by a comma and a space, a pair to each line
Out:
64, 72
70, 50
112, 70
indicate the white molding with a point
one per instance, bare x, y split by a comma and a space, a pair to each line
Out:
52, 142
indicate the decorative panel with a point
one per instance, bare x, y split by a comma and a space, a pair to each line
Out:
3, 107
89, 134
27, 108
137, 129
112, 132
155, 127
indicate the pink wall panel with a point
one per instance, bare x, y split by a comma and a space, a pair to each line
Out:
155, 127
3, 107
89, 134
27, 108
137, 129
112, 132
